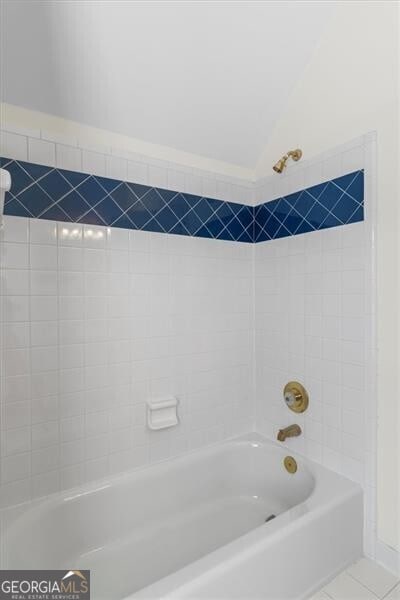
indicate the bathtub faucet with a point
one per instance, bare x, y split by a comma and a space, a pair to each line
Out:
291, 431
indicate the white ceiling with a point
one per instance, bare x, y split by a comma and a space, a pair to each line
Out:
209, 78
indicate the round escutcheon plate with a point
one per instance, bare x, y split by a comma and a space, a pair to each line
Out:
296, 396
290, 464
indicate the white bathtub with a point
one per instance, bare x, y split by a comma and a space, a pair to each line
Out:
194, 527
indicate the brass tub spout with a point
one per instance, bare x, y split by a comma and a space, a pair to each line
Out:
291, 431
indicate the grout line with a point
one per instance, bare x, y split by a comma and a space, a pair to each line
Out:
361, 583
391, 589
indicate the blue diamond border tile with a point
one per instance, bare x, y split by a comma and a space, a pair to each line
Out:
49, 193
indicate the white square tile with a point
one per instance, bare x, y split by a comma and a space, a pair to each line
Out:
14, 255
15, 493
176, 180
17, 414
332, 166
16, 362
42, 231
116, 168
353, 282
117, 239
44, 409
72, 428
44, 358
15, 229
44, 333
350, 421
157, 176
353, 159
70, 234
373, 576
17, 389
118, 261
353, 376
95, 260
71, 356
72, 452
13, 145
45, 434
44, 384
72, 332
16, 335
71, 380
93, 163
43, 308
15, 282
209, 187
193, 184
17, 441
353, 328
71, 283
43, 257
353, 305
345, 587
72, 476
45, 460
138, 172
68, 157
43, 283
71, 307
15, 467
353, 352
94, 236
42, 152
70, 258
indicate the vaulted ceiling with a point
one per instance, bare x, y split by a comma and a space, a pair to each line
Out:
209, 78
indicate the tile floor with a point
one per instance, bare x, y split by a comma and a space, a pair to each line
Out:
364, 580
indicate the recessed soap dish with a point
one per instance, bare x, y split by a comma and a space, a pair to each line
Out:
162, 413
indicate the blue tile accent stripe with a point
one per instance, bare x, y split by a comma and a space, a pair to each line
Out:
329, 204
60, 195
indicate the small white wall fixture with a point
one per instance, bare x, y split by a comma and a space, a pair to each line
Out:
5, 185
162, 414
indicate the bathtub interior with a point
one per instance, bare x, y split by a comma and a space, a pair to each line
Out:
141, 527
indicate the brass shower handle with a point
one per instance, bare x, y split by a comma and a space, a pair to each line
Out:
296, 396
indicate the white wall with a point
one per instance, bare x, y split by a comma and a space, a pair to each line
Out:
34, 124
95, 321
194, 76
349, 88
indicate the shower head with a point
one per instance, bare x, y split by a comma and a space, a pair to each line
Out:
281, 164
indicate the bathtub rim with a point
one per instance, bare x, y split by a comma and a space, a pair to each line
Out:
10, 516
91, 487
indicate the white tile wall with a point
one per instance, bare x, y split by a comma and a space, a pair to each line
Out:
95, 321
311, 322
314, 322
